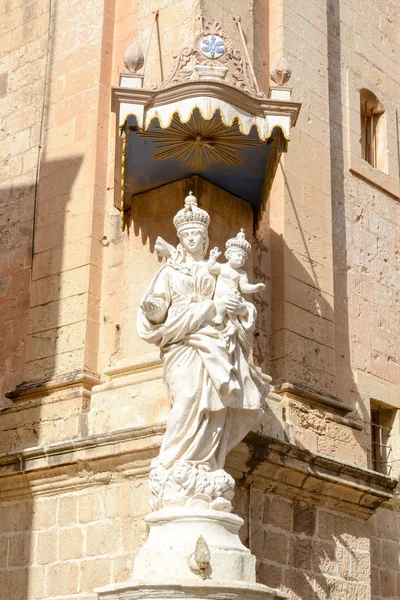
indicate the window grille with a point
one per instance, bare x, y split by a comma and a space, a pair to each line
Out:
380, 440
371, 112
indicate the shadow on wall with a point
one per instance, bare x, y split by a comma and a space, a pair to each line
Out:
29, 303
32, 234
30, 295
303, 549
308, 551
15, 273
152, 212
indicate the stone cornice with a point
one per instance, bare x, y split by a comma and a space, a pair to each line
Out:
276, 466
271, 465
303, 392
42, 388
193, 89
79, 463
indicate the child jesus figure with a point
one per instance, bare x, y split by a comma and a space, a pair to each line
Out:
232, 279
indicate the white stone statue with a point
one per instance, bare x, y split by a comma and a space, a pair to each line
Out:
232, 279
216, 393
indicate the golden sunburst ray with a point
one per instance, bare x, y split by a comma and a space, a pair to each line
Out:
199, 141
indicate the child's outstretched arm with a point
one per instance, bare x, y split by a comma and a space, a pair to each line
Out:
249, 288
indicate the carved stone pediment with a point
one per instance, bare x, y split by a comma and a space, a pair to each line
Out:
214, 49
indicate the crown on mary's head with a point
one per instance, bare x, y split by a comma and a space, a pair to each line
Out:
239, 242
191, 216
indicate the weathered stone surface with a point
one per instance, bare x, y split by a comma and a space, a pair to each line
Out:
304, 518
329, 246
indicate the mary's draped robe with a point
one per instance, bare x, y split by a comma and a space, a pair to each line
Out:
216, 394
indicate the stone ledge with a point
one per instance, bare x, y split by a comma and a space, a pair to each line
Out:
302, 392
270, 464
282, 468
79, 462
42, 388
139, 363
207, 589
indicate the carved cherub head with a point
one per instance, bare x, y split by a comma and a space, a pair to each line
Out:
224, 485
180, 472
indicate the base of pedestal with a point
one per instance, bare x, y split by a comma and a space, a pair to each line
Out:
201, 590
173, 534
166, 566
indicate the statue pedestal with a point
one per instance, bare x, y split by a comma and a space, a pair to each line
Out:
165, 567
200, 590
173, 534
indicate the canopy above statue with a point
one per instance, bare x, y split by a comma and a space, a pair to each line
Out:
206, 118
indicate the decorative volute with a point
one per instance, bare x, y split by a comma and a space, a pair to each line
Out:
214, 58
281, 71
133, 57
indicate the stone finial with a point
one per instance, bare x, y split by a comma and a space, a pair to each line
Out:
281, 71
133, 57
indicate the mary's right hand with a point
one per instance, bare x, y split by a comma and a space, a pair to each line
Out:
163, 248
150, 308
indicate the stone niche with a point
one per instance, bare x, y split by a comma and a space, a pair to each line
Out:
133, 393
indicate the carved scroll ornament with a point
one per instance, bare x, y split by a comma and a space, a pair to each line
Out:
213, 48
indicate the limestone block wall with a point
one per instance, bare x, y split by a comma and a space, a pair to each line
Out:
68, 315
51, 313
372, 223
23, 40
385, 552
306, 550
68, 542
334, 50
66, 274
79, 522
301, 214
334, 223
53, 230
366, 215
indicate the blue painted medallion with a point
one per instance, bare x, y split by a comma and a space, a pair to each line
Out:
212, 46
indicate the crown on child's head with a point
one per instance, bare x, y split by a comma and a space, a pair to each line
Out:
191, 216
239, 242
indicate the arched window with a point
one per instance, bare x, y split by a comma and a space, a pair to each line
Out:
372, 143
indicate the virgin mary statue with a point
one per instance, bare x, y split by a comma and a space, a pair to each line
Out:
216, 393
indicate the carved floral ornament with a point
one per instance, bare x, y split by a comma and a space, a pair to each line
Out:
209, 77
212, 56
